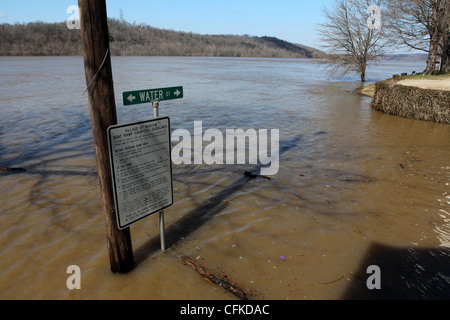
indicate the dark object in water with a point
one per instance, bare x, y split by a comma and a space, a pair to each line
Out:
5, 171
250, 175
320, 133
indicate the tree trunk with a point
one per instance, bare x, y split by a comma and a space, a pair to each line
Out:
362, 68
432, 55
436, 29
445, 65
445, 56
363, 75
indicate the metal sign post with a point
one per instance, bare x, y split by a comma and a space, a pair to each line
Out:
161, 213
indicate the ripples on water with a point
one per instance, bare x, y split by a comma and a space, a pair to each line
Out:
355, 187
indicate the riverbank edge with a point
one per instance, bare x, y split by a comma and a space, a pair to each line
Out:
409, 101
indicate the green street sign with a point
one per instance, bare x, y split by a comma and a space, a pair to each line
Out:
147, 96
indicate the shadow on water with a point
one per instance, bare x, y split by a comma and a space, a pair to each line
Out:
51, 141
195, 219
406, 274
43, 156
46, 173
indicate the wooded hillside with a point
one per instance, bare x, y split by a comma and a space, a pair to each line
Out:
44, 39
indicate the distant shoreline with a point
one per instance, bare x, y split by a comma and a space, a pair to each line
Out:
55, 39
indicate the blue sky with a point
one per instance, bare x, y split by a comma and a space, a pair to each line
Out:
292, 20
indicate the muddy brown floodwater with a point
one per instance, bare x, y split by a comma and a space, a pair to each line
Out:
355, 187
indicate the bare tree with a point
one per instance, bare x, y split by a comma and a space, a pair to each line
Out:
350, 36
421, 25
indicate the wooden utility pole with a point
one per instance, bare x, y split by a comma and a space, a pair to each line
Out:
97, 63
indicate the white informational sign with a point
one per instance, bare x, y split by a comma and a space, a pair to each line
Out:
141, 166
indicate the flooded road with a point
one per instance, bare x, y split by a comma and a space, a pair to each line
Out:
355, 187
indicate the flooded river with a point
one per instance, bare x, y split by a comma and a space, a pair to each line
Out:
355, 187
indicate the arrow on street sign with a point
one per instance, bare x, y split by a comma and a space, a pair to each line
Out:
131, 98
147, 96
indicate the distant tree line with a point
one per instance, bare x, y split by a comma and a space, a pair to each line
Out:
55, 39
39, 39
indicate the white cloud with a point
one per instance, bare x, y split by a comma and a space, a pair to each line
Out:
2, 15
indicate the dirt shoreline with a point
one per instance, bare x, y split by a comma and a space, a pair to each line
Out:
367, 90
427, 83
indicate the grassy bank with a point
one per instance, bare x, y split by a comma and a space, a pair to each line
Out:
367, 90
430, 77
